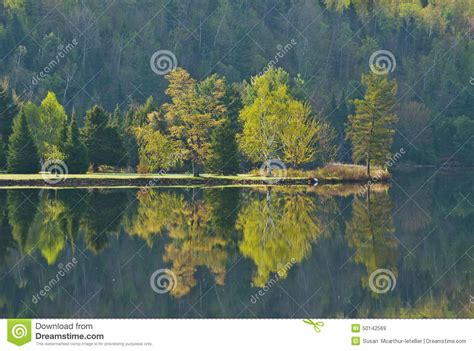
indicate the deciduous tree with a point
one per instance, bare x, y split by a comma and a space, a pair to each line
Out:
195, 110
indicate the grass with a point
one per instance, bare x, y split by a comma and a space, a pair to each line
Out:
347, 172
332, 172
337, 172
7, 176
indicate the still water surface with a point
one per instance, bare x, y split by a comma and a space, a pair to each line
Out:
241, 252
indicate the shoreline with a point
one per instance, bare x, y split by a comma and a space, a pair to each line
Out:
104, 180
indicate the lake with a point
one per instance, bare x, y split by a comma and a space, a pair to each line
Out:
399, 251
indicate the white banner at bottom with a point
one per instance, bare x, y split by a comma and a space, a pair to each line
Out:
236, 334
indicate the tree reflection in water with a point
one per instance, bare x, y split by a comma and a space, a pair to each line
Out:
225, 244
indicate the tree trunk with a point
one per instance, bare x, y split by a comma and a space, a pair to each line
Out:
268, 169
195, 169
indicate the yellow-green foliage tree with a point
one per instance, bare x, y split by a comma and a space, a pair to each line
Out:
299, 135
48, 228
157, 211
49, 130
277, 231
157, 151
195, 110
371, 128
275, 124
193, 242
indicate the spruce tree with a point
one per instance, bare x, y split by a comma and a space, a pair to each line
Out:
224, 155
103, 141
77, 159
224, 152
22, 155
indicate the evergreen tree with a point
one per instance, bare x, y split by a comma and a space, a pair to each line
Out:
3, 155
22, 152
224, 152
342, 113
103, 141
371, 128
77, 159
8, 110
224, 155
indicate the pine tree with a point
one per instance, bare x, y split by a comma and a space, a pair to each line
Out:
22, 152
77, 159
103, 141
371, 127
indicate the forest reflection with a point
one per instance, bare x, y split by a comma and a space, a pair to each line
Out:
238, 238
